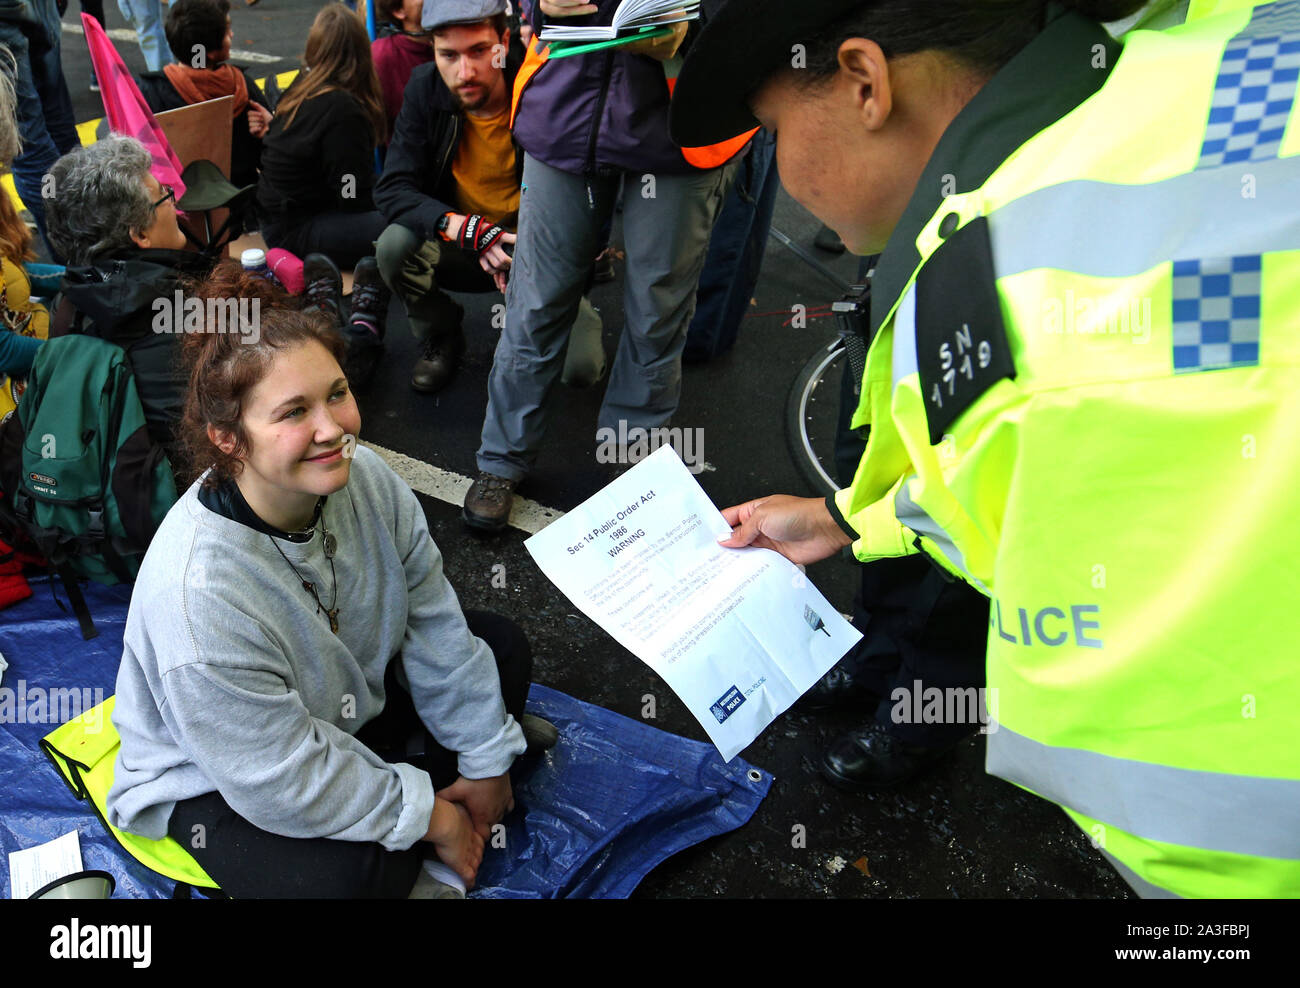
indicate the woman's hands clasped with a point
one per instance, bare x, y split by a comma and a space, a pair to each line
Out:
462, 820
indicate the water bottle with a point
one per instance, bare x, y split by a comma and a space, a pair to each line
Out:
253, 261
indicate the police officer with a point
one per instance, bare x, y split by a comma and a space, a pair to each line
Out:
1083, 385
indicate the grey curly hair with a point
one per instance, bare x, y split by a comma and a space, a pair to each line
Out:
99, 198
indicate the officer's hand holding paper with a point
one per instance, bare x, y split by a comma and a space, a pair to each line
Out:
739, 634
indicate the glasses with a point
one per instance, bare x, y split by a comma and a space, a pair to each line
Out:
168, 193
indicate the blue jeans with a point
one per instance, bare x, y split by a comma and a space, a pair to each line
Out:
45, 116
146, 17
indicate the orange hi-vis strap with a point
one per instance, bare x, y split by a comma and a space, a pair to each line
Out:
713, 155
533, 60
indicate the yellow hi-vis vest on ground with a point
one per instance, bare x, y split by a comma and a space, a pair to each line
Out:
1104, 435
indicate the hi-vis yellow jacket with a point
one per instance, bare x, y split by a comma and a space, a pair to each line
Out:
1084, 398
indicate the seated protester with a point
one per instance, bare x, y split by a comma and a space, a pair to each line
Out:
318, 158
116, 225
298, 678
24, 324
199, 34
402, 46
450, 188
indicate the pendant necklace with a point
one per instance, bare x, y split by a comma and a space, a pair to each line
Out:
330, 544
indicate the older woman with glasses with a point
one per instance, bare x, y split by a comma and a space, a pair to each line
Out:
116, 225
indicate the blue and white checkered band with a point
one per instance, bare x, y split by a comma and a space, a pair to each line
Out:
1216, 313
1216, 300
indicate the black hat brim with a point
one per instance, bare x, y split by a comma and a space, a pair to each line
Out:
742, 45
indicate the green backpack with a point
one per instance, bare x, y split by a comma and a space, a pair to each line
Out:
83, 482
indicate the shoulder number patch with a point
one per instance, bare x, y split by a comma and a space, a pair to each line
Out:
961, 341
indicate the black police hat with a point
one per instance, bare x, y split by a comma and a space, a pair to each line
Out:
743, 43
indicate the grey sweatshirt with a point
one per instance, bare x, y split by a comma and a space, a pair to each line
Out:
232, 682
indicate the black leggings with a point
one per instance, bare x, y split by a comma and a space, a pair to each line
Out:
250, 863
345, 238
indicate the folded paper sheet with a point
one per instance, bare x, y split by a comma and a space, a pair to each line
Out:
739, 634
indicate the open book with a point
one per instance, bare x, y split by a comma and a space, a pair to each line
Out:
631, 16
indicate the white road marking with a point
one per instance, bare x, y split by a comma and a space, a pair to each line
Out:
526, 515
126, 34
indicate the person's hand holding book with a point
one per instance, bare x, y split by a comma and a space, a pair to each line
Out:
567, 8
661, 48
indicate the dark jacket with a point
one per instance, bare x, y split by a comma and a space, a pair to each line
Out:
600, 112
114, 300
324, 162
417, 186
245, 149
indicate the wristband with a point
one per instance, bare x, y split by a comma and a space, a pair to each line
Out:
478, 234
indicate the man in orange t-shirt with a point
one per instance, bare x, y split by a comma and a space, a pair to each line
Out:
450, 188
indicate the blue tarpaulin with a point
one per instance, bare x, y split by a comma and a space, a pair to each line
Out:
593, 816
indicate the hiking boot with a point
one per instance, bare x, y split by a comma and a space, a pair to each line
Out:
324, 290
438, 361
369, 297
487, 503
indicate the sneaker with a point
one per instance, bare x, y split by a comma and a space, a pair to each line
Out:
324, 286
487, 504
539, 733
369, 298
438, 361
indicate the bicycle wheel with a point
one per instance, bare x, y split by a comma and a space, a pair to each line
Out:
812, 413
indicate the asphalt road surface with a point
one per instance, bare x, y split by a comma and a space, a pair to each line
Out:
956, 832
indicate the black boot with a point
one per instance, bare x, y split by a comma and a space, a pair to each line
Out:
365, 330
871, 758
439, 360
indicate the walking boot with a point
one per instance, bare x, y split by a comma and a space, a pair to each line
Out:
438, 360
488, 501
324, 287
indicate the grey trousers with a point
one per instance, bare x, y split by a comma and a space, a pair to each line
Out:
667, 220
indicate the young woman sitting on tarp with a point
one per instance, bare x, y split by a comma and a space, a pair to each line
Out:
302, 703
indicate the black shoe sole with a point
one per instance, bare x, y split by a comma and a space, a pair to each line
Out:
482, 525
